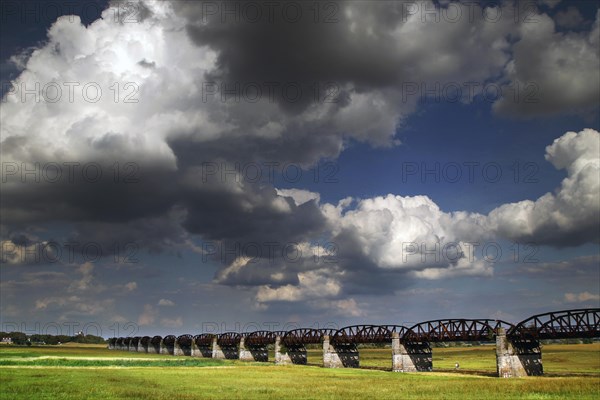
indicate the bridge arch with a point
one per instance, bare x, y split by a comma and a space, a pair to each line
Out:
566, 324
357, 334
262, 338
185, 340
229, 339
454, 330
302, 336
169, 340
135, 341
204, 339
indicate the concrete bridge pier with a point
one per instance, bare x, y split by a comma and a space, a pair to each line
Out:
204, 351
141, 348
410, 357
216, 350
340, 356
281, 358
224, 352
153, 348
294, 354
164, 349
177, 350
253, 353
517, 358
244, 354
194, 351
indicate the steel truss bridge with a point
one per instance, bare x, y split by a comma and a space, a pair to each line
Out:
566, 324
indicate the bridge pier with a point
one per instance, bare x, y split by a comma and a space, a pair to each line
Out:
293, 355
204, 351
154, 348
177, 350
194, 350
340, 355
216, 350
253, 353
517, 358
164, 349
224, 352
410, 357
281, 358
244, 354
141, 348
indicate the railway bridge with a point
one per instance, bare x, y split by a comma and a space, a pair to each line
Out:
518, 348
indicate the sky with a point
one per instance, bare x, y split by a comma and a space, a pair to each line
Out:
174, 167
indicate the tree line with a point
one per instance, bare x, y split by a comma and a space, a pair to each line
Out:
20, 338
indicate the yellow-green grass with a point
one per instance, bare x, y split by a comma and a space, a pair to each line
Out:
88, 351
235, 379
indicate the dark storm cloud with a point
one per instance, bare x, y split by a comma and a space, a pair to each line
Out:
362, 43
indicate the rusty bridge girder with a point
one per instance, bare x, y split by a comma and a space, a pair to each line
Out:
262, 338
304, 336
169, 340
577, 323
185, 340
204, 339
454, 330
566, 324
155, 341
357, 334
229, 339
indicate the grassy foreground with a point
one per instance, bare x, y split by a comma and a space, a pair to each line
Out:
97, 373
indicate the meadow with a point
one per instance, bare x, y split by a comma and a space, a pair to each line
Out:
93, 372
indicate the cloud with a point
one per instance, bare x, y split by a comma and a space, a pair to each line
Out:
86, 283
387, 242
163, 140
581, 297
165, 303
73, 306
148, 316
299, 196
555, 72
550, 3
22, 250
166, 141
172, 322
131, 286
397, 232
346, 307
461, 268
581, 268
570, 18
568, 217
312, 284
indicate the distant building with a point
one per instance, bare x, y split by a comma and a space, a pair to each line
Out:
6, 340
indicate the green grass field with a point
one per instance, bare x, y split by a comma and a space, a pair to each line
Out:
93, 372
